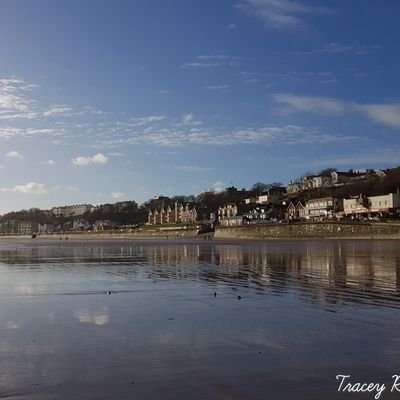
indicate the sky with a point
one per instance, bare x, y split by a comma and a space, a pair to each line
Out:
104, 101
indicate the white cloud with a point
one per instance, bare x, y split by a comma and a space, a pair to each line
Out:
200, 65
188, 119
58, 111
280, 14
321, 105
29, 188
14, 154
388, 114
218, 187
13, 100
48, 162
117, 195
231, 26
85, 161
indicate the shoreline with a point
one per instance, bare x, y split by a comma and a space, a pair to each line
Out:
301, 231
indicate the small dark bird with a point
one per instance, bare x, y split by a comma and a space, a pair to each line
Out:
239, 297
215, 294
108, 292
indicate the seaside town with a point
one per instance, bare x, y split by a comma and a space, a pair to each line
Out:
330, 195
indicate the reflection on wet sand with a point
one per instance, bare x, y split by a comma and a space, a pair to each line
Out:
196, 320
329, 268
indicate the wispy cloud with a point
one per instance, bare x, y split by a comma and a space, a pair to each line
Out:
72, 188
117, 195
199, 65
231, 26
281, 14
388, 114
217, 87
190, 136
212, 61
193, 168
116, 154
386, 156
14, 154
11, 132
29, 188
140, 121
337, 48
58, 111
97, 159
14, 101
301, 76
321, 105
48, 162
213, 57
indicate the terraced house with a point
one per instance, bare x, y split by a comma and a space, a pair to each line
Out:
179, 214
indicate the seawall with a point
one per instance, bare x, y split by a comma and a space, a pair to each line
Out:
307, 230
111, 235
311, 230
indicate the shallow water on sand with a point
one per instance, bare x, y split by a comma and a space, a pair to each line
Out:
198, 320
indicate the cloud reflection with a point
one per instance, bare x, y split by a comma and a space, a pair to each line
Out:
97, 317
12, 325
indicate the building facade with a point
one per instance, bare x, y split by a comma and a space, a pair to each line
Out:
362, 205
69, 211
326, 207
178, 214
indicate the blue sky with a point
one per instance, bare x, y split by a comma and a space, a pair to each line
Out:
102, 101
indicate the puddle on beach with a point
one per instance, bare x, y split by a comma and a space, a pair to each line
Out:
176, 320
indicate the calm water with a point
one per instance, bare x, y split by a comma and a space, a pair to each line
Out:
197, 320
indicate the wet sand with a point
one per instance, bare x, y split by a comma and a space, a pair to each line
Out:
199, 320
